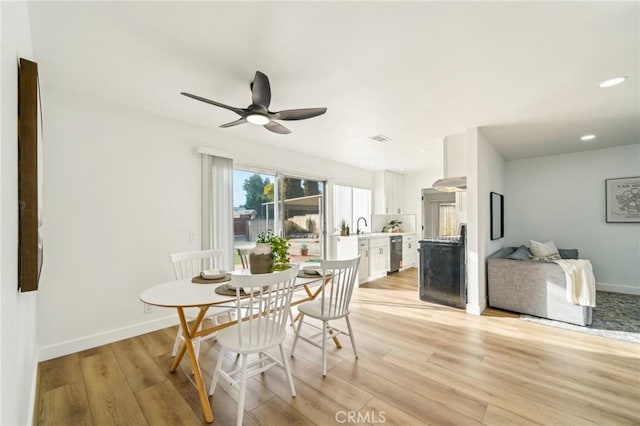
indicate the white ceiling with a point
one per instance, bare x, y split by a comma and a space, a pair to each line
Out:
526, 73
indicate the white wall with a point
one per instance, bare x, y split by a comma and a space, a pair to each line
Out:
561, 198
486, 170
18, 310
122, 192
455, 155
414, 183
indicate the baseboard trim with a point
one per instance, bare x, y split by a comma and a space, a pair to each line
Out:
477, 309
376, 276
618, 288
99, 339
33, 394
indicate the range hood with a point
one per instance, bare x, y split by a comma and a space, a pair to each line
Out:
455, 184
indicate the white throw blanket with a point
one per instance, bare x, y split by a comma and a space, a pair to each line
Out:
581, 283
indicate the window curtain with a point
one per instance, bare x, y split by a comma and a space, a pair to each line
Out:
342, 206
447, 219
349, 204
217, 207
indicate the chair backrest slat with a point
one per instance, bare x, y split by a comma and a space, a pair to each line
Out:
336, 294
243, 253
190, 264
266, 308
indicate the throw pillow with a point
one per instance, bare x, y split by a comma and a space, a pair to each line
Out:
569, 253
521, 253
539, 249
550, 258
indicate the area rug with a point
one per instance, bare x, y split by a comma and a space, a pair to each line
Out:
616, 316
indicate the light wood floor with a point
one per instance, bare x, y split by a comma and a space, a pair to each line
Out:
419, 363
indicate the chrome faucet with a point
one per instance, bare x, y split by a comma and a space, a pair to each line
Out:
358, 224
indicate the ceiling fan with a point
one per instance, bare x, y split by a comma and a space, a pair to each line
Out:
258, 112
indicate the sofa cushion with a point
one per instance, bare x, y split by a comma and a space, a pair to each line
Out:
544, 252
539, 249
521, 253
568, 253
503, 253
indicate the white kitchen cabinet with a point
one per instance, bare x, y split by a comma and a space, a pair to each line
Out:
363, 268
409, 250
378, 257
388, 192
344, 247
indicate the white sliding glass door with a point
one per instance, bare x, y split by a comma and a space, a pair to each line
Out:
253, 208
302, 217
289, 206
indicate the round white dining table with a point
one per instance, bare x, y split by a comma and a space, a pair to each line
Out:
181, 294
184, 293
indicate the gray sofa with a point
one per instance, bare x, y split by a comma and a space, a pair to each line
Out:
531, 287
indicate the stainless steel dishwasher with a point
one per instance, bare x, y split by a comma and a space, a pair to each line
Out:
395, 254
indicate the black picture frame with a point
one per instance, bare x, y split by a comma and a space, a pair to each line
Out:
496, 203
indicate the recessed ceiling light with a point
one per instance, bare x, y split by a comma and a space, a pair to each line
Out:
613, 82
423, 150
587, 137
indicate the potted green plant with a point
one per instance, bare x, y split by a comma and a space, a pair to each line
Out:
344, 229
278, 257
393, 226
304, 249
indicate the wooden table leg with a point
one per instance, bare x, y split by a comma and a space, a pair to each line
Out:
335, 337
188, 347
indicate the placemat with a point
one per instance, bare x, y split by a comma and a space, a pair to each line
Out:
302, 274
199, 280
227, 290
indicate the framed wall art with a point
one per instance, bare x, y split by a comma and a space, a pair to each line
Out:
497, 215
622, 198
30, 253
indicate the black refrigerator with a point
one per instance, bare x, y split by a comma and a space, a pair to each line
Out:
442, 270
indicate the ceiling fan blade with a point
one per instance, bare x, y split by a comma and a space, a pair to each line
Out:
299, 114
238, 111
235, 123
277, 128
261, 90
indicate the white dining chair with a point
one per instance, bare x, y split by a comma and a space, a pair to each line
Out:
243, 253
265, 302
189, 265
331, 304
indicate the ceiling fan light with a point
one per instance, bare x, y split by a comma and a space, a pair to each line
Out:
613, 82
258, 119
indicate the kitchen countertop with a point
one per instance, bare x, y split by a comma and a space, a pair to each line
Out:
367, 235
382, 234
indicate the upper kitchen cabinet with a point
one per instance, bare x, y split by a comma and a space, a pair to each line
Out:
388, 192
